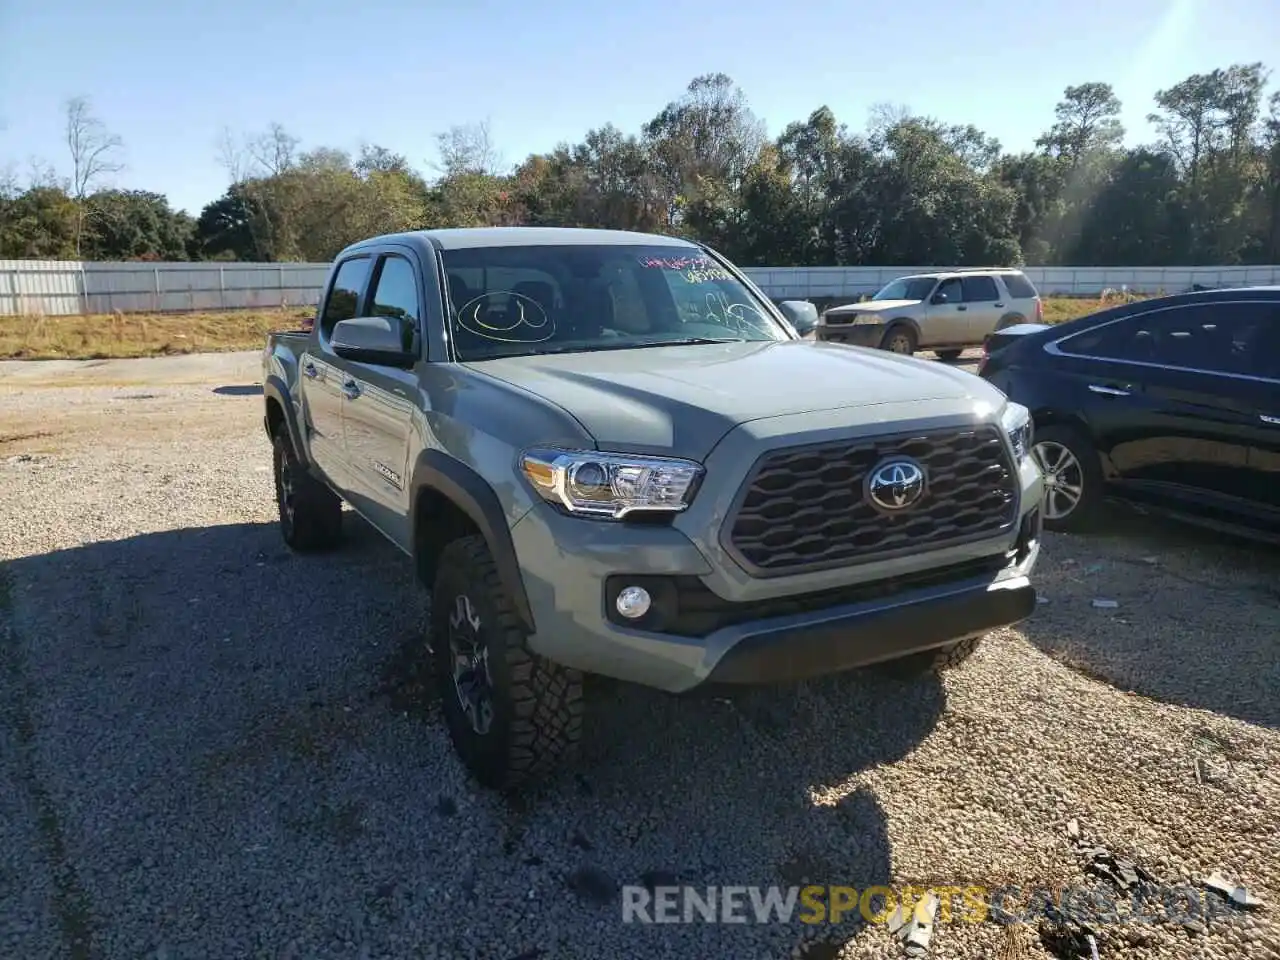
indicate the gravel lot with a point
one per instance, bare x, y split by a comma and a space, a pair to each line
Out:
212, 748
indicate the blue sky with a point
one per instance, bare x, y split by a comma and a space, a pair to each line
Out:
167, 76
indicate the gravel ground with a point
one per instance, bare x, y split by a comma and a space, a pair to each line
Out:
213, 748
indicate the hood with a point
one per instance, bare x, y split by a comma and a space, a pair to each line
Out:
681, 400
874, 306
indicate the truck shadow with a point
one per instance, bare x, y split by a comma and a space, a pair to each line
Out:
197, 696
1195, 620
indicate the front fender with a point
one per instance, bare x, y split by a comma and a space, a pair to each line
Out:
474, 496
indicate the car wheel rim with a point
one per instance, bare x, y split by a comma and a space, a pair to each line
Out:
1063, 479
899, 344
472, 681
285, 488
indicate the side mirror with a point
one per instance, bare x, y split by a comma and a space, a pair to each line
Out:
938, 298
801, 314
384, 341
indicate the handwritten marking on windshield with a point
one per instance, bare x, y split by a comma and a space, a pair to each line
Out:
689, 269
525, 320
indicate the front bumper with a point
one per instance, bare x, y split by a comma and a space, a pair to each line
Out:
694, 636
845, 638
854, 334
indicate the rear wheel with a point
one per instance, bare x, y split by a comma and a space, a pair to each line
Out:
310, 513
512, 715
1072, 478
899, 339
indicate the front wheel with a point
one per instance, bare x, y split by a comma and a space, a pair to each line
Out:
949, 356
899, 339
936, 661
1072, 478
512, 715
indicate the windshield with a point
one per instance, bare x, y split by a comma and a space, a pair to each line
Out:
906, 288
524, 300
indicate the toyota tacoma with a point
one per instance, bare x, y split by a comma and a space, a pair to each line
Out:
610, 453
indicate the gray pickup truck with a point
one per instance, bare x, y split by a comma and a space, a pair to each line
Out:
609, 453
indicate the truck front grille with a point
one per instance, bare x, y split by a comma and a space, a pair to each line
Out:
804, 508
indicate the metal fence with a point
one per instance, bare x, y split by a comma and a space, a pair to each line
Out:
65, 287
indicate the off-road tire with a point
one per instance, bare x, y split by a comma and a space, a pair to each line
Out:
903, 334
949, 356
930, 661
537, 705
1084, 517
315, 521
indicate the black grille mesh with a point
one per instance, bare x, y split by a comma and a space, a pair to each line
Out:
804, 508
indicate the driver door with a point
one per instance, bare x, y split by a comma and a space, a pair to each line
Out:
947, 316
378, 411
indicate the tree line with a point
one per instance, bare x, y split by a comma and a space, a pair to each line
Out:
906, 190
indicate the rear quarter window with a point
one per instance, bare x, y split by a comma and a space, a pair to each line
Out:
1019, 287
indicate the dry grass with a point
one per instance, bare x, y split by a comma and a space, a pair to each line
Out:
119, 335
1062, 309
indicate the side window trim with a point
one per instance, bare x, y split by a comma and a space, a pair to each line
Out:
1053, 347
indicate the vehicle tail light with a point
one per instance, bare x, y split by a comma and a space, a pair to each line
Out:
1039, 310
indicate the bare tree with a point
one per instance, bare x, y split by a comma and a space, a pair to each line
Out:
93, 149
42, 173
467, 148
232, 155
274, 151
8, 182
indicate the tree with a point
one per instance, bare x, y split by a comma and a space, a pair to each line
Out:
1087, 119
906, 190
93, 151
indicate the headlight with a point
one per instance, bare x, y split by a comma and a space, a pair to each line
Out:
1016, 421
610, 485
867, 318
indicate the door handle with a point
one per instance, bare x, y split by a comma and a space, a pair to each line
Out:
1108, 391
1274, 421
351, 389
310, 369
961, 306
997, 304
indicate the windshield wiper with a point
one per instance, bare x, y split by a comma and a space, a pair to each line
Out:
688, 341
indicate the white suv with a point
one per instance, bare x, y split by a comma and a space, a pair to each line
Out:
942, 312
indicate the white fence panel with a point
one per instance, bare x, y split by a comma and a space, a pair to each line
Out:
59, 288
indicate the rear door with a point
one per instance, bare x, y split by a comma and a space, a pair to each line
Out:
983, 307
1260, 374
321, 376
1156, 389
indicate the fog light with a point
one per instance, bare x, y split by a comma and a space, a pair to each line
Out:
633, 602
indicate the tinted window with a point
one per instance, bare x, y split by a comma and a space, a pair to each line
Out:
1222, 337
1018, 286
980, 290
516, 300
953, 290
395, 294
906, 288
344, 294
